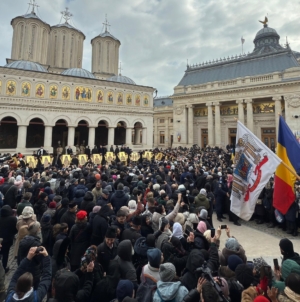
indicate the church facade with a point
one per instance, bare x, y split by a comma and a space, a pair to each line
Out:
47, 99
254, 88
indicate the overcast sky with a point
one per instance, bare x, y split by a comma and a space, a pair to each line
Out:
158, 36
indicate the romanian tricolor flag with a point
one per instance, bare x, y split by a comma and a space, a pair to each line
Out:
288, 150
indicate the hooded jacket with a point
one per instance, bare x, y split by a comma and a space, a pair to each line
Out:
87, 204
59, 258
40, 208
119, 199
202, 201
226, 253
7, 224
126, 268
174, 291
79, 194
44, 284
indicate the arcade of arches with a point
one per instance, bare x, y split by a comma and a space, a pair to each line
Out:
36, 134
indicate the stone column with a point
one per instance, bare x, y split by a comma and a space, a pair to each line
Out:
91, 141
190, 125
137, 136
22, 134
155, 133
111, 136
240, 110
128, 136
249, 114
71, 136
144, 136
217, 124
48, 137
277, 102
166, 133
210, 122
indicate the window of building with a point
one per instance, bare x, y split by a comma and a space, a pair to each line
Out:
161, 137
171, 120
161, 120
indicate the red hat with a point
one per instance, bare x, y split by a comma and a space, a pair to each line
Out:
260, 299
81, 215
52, 205
97, 176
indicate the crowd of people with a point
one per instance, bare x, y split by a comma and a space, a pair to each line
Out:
137, 231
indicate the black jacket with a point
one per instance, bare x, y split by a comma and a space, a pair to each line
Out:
10, 192
40, 293
106, 254
131, 234
7, 224
119, 199
39, 208
68, 218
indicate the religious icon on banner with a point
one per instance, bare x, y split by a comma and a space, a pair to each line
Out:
129, 99
148, 155
122, 156
138, 100
134, 156
40, 90
53, 92
97, 159
77, 93
82, 159
46, 161
158, 156
120, 99
66, 160
25, 89
11, 88
146, 101
66, 93
110, 97
99, 96
109, 157
31, 161
89, 94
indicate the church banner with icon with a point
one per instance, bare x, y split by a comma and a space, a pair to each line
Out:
82, 159
109, 157
97, 159
134, 156
31, 161
122, 156
66, 160
46, 161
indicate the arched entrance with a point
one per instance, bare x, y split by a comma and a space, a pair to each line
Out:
60, 134
82, 133
120, 133
101, 134
8, 133
35, 133
138, 134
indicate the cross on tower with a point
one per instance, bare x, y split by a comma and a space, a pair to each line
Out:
66, 14
106, 24
33, 4
120, 69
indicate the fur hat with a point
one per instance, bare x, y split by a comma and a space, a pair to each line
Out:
132, 206
111, 232
193, 218
27, 212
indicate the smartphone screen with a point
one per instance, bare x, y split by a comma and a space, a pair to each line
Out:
223, 227
276, 265
212, 233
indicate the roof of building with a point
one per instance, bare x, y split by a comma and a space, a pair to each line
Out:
241, 67
162, 101
26, 65
31, 15
121, 79
78, 72
68, 26
107, 34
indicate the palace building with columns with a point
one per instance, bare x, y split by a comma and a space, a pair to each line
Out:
47, 98
254, 88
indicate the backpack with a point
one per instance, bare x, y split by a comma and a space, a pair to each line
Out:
146, 289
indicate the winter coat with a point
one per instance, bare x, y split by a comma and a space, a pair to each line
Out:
226, 253
106, 254
34, 267
39, 208
8, 224
68, 218
171, 216
79, 241
47, 236
126, 268
59, 258
131, 234
59, 213
79, 194
202, 201
200, 241
24, 203
100, 225
42, 289
146, 229
169, 291
88, 203
119, 199
10, 192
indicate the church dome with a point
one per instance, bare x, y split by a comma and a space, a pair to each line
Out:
26, 65
68, 26
78, 72
266, 31
121, 79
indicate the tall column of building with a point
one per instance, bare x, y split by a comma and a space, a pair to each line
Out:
217, 124
156, 134
240, 110
22, 131
249, 114
111, 136
48, 137
71, 136
190, 125
144, 136
210, 123
277, 102
129, 136
91, 141
166, 133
